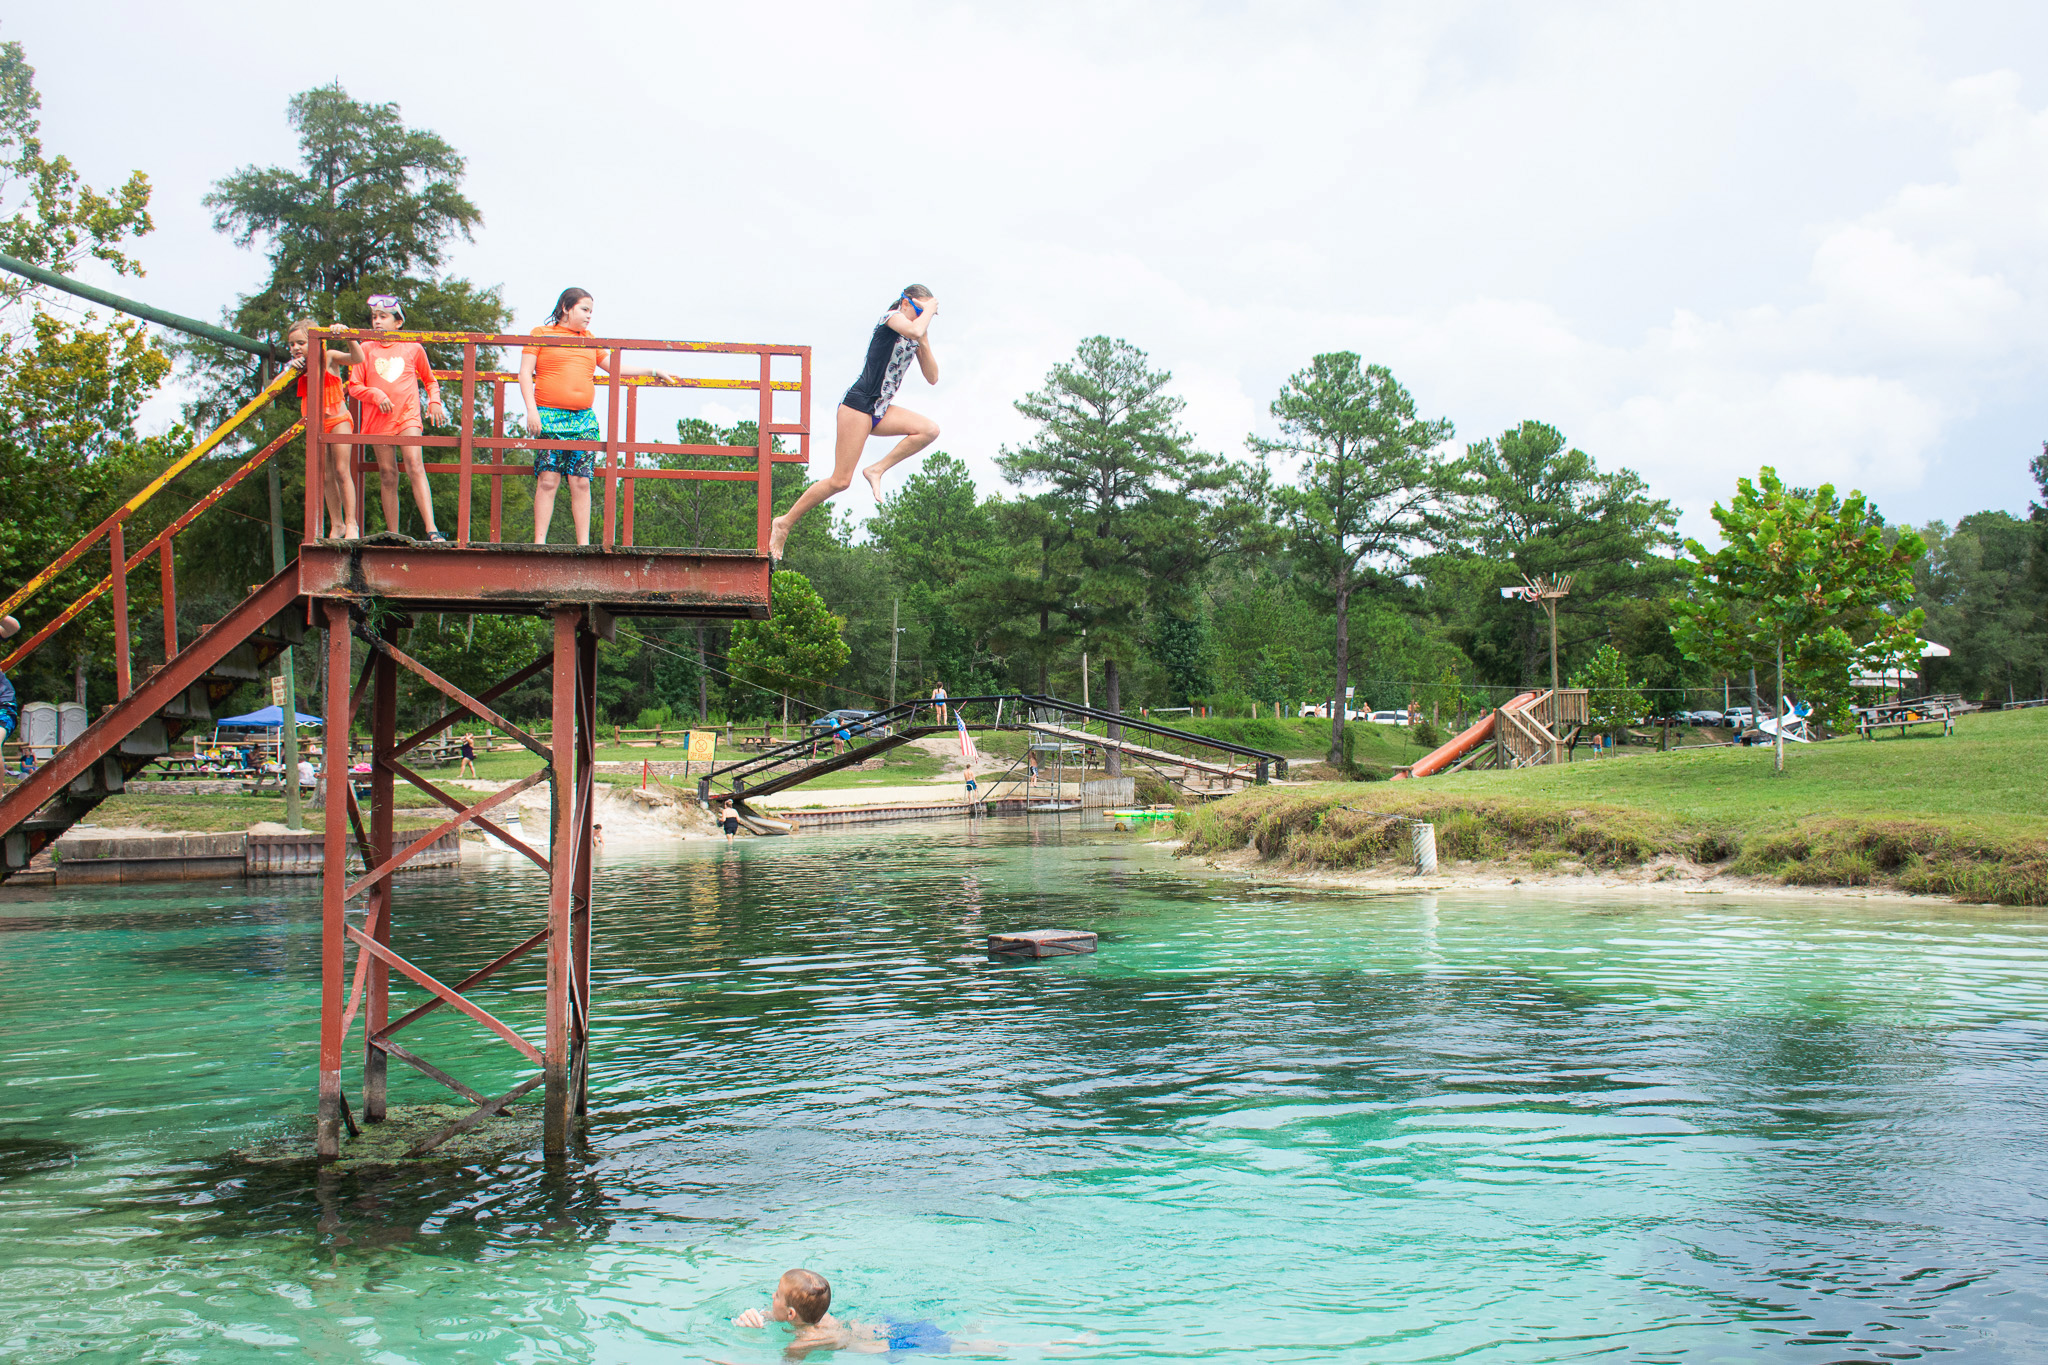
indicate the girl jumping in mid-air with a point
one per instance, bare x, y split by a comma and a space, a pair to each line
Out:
337, 479
394, 375
903, 335
559, 386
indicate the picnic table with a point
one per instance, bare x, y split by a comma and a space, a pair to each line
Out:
1884, 715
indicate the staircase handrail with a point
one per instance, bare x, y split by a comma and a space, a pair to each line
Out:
142, 496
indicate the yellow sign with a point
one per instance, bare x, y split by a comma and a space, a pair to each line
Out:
277, 691
700, 745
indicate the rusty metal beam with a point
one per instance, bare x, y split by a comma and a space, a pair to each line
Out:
557, 1103
469, 1121
480, 974
456, 694
428, 1069
333, 878
513, 579
394, 861
425, 979
154, 693
452, 803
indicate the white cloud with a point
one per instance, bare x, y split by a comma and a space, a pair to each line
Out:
1697, 241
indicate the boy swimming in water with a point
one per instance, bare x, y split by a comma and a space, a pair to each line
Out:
802, 1299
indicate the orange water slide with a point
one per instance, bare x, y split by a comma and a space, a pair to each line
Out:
1468, 740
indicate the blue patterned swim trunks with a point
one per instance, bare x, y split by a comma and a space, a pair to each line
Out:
567, 424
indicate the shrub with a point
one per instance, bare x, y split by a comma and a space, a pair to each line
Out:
1150, 789
655, 718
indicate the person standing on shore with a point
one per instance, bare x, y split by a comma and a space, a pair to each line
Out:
902, 335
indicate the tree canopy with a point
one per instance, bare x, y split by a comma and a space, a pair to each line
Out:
1807, 576
1371, 493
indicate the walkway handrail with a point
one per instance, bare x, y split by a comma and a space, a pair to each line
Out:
869, 725
1143, 726
145, 493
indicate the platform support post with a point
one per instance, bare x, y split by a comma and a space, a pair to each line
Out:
586, 794
383, 739
557, 1104
333, 880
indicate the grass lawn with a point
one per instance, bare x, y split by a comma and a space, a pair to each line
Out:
1960, 815
140, 807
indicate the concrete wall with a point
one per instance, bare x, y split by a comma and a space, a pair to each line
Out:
84, 858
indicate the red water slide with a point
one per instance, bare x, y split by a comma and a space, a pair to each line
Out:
1471, 738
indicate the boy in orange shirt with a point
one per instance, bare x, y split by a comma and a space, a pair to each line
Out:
559, 387
393, 377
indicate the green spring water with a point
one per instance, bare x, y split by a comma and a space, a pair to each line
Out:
1257, 1125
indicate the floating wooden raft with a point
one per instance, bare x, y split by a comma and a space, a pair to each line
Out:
1042, 943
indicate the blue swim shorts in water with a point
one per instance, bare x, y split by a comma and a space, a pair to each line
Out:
921, 1335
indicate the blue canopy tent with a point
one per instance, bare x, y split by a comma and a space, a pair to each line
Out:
269, 718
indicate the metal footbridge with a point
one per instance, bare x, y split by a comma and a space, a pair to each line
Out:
1193, 764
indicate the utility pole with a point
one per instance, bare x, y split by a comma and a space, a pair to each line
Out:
894, 604
288, 719
1548, 592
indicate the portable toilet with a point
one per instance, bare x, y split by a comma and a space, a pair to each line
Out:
39, 729
72, 719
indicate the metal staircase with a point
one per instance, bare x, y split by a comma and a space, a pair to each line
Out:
145, 724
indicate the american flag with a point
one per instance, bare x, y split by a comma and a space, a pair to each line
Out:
967, 751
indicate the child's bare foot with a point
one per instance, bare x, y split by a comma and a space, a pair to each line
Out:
778, 536
351, 531
874, 477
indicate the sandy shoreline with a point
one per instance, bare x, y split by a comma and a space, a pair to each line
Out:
1675, 878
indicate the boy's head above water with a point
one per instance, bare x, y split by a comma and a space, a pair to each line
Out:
801, 1297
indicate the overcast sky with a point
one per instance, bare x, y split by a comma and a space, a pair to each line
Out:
1697, 239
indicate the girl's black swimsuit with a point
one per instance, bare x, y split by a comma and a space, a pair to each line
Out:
889, 357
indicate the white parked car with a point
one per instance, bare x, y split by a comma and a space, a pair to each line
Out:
1388, 717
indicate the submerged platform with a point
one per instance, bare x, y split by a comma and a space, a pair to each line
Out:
514, 579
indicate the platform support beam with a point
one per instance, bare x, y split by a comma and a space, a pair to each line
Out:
556, 1102
383, 740
334, 884
586, 795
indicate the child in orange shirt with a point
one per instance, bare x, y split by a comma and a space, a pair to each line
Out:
396, 372
559, 387
337, 480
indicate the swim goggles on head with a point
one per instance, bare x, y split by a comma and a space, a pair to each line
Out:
915, 306
388, 302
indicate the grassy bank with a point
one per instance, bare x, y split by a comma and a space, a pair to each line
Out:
1960, 816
